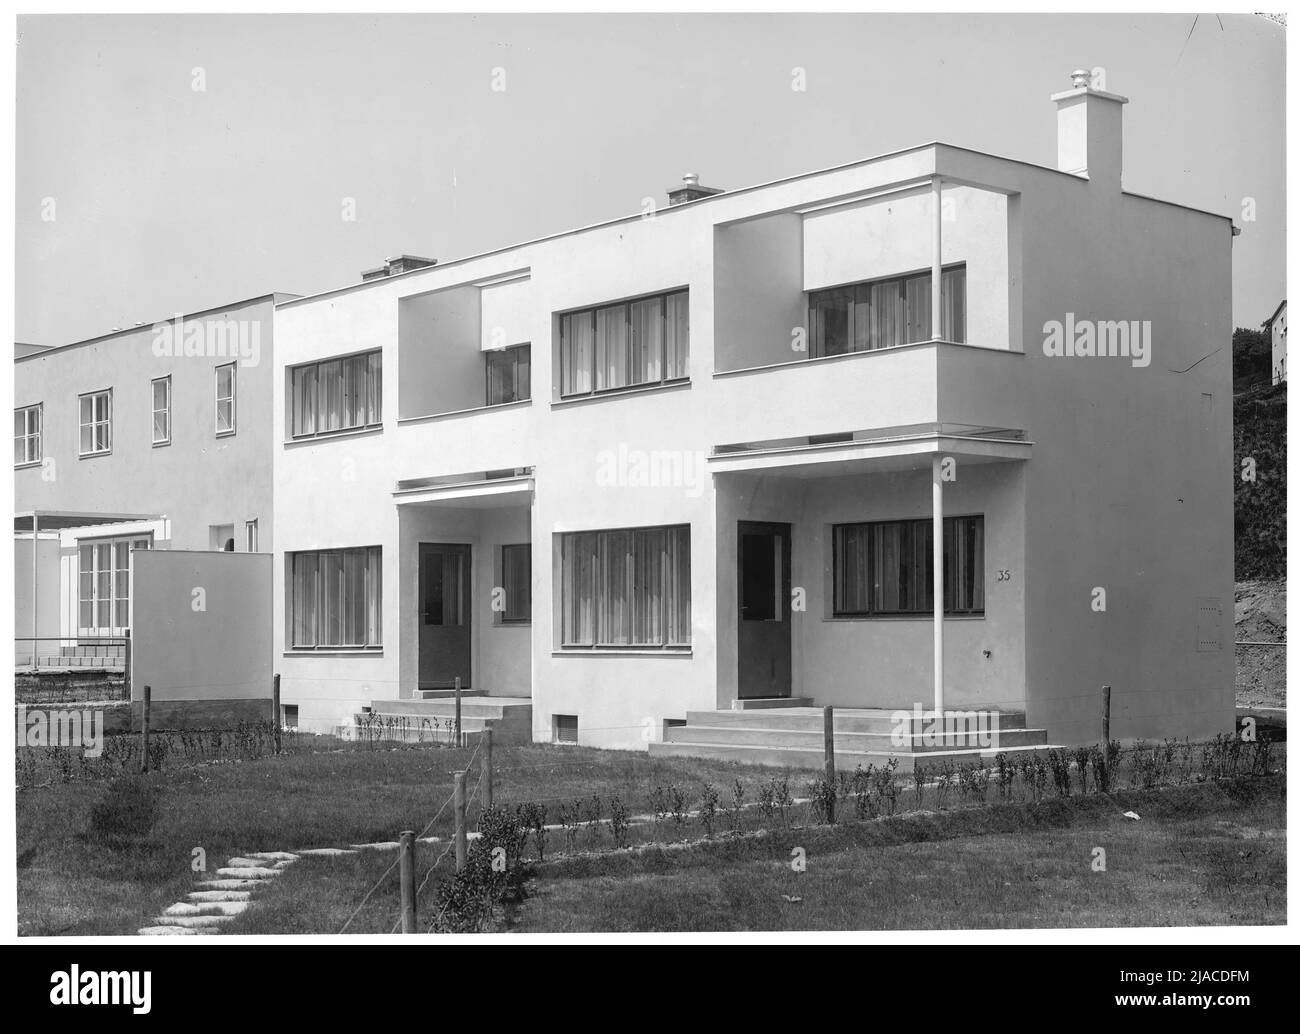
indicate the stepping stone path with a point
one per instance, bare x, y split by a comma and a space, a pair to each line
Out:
218, 901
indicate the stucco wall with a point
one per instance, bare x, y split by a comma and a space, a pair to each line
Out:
138, 477
201, 626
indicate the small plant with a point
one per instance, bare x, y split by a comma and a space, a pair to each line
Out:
885, 787
708, 808
569, 819
593, 819
677, 803
943, 782
531, 816
919, 775
1006, 774
767, 801
861, 785
737, 804
126, 810
618, 821
821, 797
659, 804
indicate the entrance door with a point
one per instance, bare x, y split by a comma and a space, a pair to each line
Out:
763, 566
444, 615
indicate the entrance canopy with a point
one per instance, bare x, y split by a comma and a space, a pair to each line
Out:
479, 490
872, 451
62, 520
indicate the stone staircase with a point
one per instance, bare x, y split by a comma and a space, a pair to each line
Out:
426, 719
97, 656
793, 737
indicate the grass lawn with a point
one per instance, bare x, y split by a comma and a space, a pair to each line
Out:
70, 882
1204, 854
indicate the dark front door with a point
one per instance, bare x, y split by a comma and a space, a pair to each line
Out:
444, 615
763, 564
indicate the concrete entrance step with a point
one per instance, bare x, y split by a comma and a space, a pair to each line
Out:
424, 720
846, 761
760, 703
866, 742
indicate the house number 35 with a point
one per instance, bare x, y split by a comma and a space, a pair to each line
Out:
1004, 575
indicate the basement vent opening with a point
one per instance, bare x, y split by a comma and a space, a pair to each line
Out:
290, 715
565, 728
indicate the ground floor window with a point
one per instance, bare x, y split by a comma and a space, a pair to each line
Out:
628, 587
516, 583
335, 598
104, 584
883, 567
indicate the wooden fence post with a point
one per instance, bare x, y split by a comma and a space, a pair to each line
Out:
485, 773
276, 723
1105, 718
828, 720
462, 840
406, 847
144, 730
459, 741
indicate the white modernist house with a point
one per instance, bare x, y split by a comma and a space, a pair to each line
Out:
739, 450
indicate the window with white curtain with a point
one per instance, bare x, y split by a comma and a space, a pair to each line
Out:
96, 423
226, 399
629, 587
340, 394
883, 567
516, 582
883, 313
27, 434
508, 374
640, 342
335, 598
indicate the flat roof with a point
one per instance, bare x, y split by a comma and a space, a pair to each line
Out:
360, 284
274, 296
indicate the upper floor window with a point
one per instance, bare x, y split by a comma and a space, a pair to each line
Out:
162, 411
226, 399
883, 313
644, 341
336, 395
27, 434
96, 423
883, 568
509, 375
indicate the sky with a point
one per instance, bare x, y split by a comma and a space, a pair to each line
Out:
139, 195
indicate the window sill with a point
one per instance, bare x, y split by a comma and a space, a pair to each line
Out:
161, 445
928, 618
94, 455
28, 463
325, 436
403, 420
618, 651
512, 624
614, 393
334, 651
841, 356
224, 434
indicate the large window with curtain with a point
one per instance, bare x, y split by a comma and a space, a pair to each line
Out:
883, 568
640, 342
341, 394
882, 313
336, 598
626, 588
508, 375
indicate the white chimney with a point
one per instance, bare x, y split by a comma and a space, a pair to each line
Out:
1090, 131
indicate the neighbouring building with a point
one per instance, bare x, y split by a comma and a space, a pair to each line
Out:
152, 437
1275, 330
739, 450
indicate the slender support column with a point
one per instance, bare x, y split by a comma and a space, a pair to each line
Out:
936, 577
936, 264
36, 628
